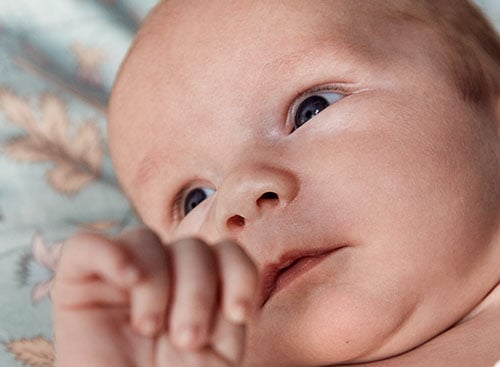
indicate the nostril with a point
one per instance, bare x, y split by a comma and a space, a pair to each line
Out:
236, 221
268, 197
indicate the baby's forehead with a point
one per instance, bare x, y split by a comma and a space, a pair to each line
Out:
184, 34
202, 59
242, 45
238, 22
186, 39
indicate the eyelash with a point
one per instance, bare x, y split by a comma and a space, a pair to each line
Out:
177, 211
177, 205
333, 88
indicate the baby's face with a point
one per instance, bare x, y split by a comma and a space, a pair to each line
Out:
306, 129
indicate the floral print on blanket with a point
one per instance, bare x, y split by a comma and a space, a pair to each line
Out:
38, 267
56, 176
35, 352
76, 155
58, 59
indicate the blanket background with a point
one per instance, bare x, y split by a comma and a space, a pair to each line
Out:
58, 59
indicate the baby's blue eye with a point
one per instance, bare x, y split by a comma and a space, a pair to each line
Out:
195, 197
313, 105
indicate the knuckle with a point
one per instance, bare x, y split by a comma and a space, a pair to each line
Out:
200, 298
83, 238
227, 245
79, 242
194, 251
190, 242
194, 246
140, 234
70, 250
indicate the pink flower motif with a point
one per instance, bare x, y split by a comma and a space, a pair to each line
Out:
89, 60
38, 268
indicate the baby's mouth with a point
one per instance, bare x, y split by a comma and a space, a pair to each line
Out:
291, 266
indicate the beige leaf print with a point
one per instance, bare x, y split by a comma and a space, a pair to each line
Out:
69, 178
89, 60
16, 109
36, 352
24, 148
76, 157
54, 123
87, 146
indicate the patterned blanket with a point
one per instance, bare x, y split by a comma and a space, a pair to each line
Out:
58, 59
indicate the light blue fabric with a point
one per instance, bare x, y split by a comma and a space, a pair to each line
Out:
58, 59
492, 10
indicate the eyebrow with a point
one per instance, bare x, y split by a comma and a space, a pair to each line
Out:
348, 52
152, 162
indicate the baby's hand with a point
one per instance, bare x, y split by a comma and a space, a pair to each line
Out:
134, 302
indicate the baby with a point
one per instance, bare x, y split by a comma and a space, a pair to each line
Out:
319, 183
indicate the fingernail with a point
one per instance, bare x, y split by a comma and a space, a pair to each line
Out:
187, 336
238, 312
150, 325
130, 275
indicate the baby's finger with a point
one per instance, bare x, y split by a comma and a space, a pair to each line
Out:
89, 293
86, 256
239, 279
228, 340
150, 296
195, 293
168, 355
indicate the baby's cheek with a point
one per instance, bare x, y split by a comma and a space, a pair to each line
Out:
195, 224
348, 323
334, 323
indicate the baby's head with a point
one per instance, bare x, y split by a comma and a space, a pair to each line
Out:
361, 133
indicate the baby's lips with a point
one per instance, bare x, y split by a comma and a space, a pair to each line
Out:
274, 272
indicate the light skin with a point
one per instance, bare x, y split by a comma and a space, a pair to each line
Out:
395, 184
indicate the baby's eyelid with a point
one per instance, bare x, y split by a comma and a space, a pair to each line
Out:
331, 95
337, 89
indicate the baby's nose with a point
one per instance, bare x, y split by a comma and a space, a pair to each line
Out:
251, 193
